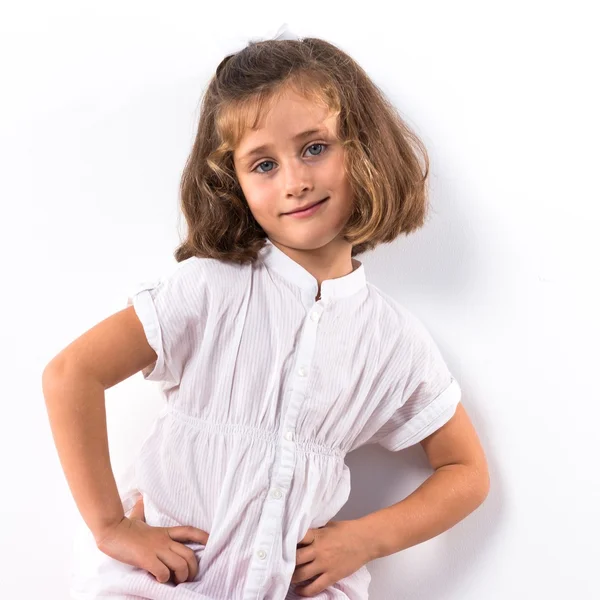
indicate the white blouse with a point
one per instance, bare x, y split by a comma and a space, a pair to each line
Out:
267, 390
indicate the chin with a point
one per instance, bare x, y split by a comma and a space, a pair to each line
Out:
309, 241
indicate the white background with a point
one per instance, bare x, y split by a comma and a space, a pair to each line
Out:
98, 111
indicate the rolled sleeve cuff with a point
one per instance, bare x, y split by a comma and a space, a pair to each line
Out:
143, 303
430, 419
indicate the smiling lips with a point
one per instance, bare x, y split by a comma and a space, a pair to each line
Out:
308, 211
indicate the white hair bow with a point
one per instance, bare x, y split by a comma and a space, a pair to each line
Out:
283, 33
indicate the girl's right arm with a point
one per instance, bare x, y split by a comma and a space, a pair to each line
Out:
73, 384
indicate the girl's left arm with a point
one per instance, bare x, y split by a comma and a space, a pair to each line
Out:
458, 486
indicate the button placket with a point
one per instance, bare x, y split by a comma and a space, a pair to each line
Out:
270, 522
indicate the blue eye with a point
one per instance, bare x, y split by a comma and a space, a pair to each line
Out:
263, 172
313, 145
263, 163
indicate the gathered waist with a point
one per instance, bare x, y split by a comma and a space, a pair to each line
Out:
248, 431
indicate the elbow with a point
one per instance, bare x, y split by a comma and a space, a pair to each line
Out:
481, 485
476, 483
51, 374
480, 478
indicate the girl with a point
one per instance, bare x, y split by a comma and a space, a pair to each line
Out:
275, 355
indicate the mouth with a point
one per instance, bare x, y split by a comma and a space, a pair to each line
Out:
309, 210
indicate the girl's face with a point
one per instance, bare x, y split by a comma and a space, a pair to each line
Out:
293, 160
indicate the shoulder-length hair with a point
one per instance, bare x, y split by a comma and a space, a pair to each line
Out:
381, 152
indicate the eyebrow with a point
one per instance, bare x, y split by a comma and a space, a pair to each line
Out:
264, 147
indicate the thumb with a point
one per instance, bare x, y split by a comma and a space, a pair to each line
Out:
137, 512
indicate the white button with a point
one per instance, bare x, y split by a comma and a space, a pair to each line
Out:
276, 493
289, 435
261, 554
314, 316
302, 371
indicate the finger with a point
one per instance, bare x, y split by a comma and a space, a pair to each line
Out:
175, 563
158, 568
187, 533
312, 586
305, 555
308, 538
303, 574
137, 512
188, 555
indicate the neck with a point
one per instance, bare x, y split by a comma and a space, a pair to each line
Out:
328, 262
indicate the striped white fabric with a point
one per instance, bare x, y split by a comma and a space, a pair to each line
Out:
266, 391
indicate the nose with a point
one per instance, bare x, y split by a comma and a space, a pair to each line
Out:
297, 179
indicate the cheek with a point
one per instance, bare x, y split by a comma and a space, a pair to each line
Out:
259, 201
338, 174
345, 197
342, 183
252, 193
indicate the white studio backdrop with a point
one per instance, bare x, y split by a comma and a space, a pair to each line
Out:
98, 112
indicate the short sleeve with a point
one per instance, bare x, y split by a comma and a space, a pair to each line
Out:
426, 396
172, 310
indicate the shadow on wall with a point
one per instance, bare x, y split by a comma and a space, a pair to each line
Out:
441, 566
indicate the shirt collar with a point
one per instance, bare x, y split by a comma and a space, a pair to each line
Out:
340, 287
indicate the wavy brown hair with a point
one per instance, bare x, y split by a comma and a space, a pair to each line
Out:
381, 155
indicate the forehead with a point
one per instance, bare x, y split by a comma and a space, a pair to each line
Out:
277, 117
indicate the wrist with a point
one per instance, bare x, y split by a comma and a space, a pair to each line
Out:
102, 529
372, 539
